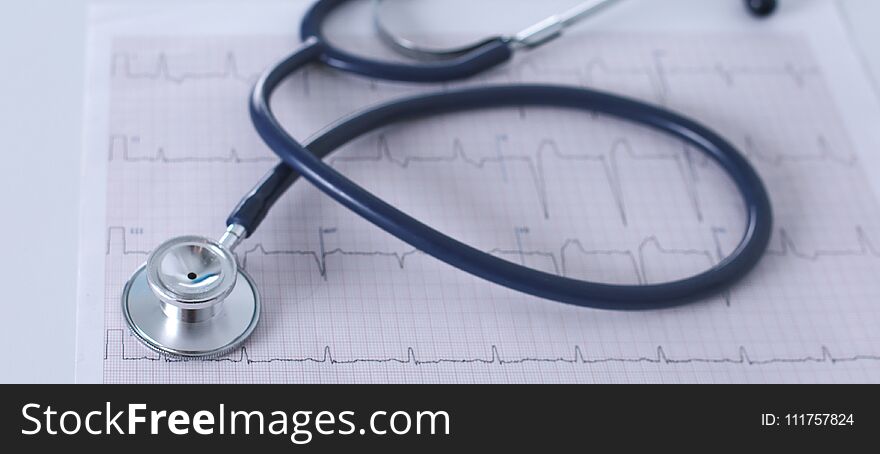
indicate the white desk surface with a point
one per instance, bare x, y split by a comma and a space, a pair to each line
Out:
42, 44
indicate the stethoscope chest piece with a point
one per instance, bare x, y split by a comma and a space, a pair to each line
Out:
190, 299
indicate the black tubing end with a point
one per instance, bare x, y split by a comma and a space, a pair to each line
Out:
761, 8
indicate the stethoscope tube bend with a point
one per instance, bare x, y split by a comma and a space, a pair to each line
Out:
306, 161
192, 299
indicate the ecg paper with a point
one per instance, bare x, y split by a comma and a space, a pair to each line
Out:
571, 193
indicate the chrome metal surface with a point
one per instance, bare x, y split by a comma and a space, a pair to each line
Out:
413, 50
232, 236
552, 27
227, 328
532, 36
191, 272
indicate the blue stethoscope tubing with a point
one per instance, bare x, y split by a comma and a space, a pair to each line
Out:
306, 160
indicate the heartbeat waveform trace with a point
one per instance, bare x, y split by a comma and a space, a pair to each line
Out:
685, 163
585, 75
608, 161
119, 148
660, 357
121, 66
798, 74
535, 164
865, 248
656, 74
825, 154
559, 260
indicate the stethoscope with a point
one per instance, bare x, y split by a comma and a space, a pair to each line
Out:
191, 298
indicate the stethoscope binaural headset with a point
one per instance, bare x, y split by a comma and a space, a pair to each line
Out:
191, 299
